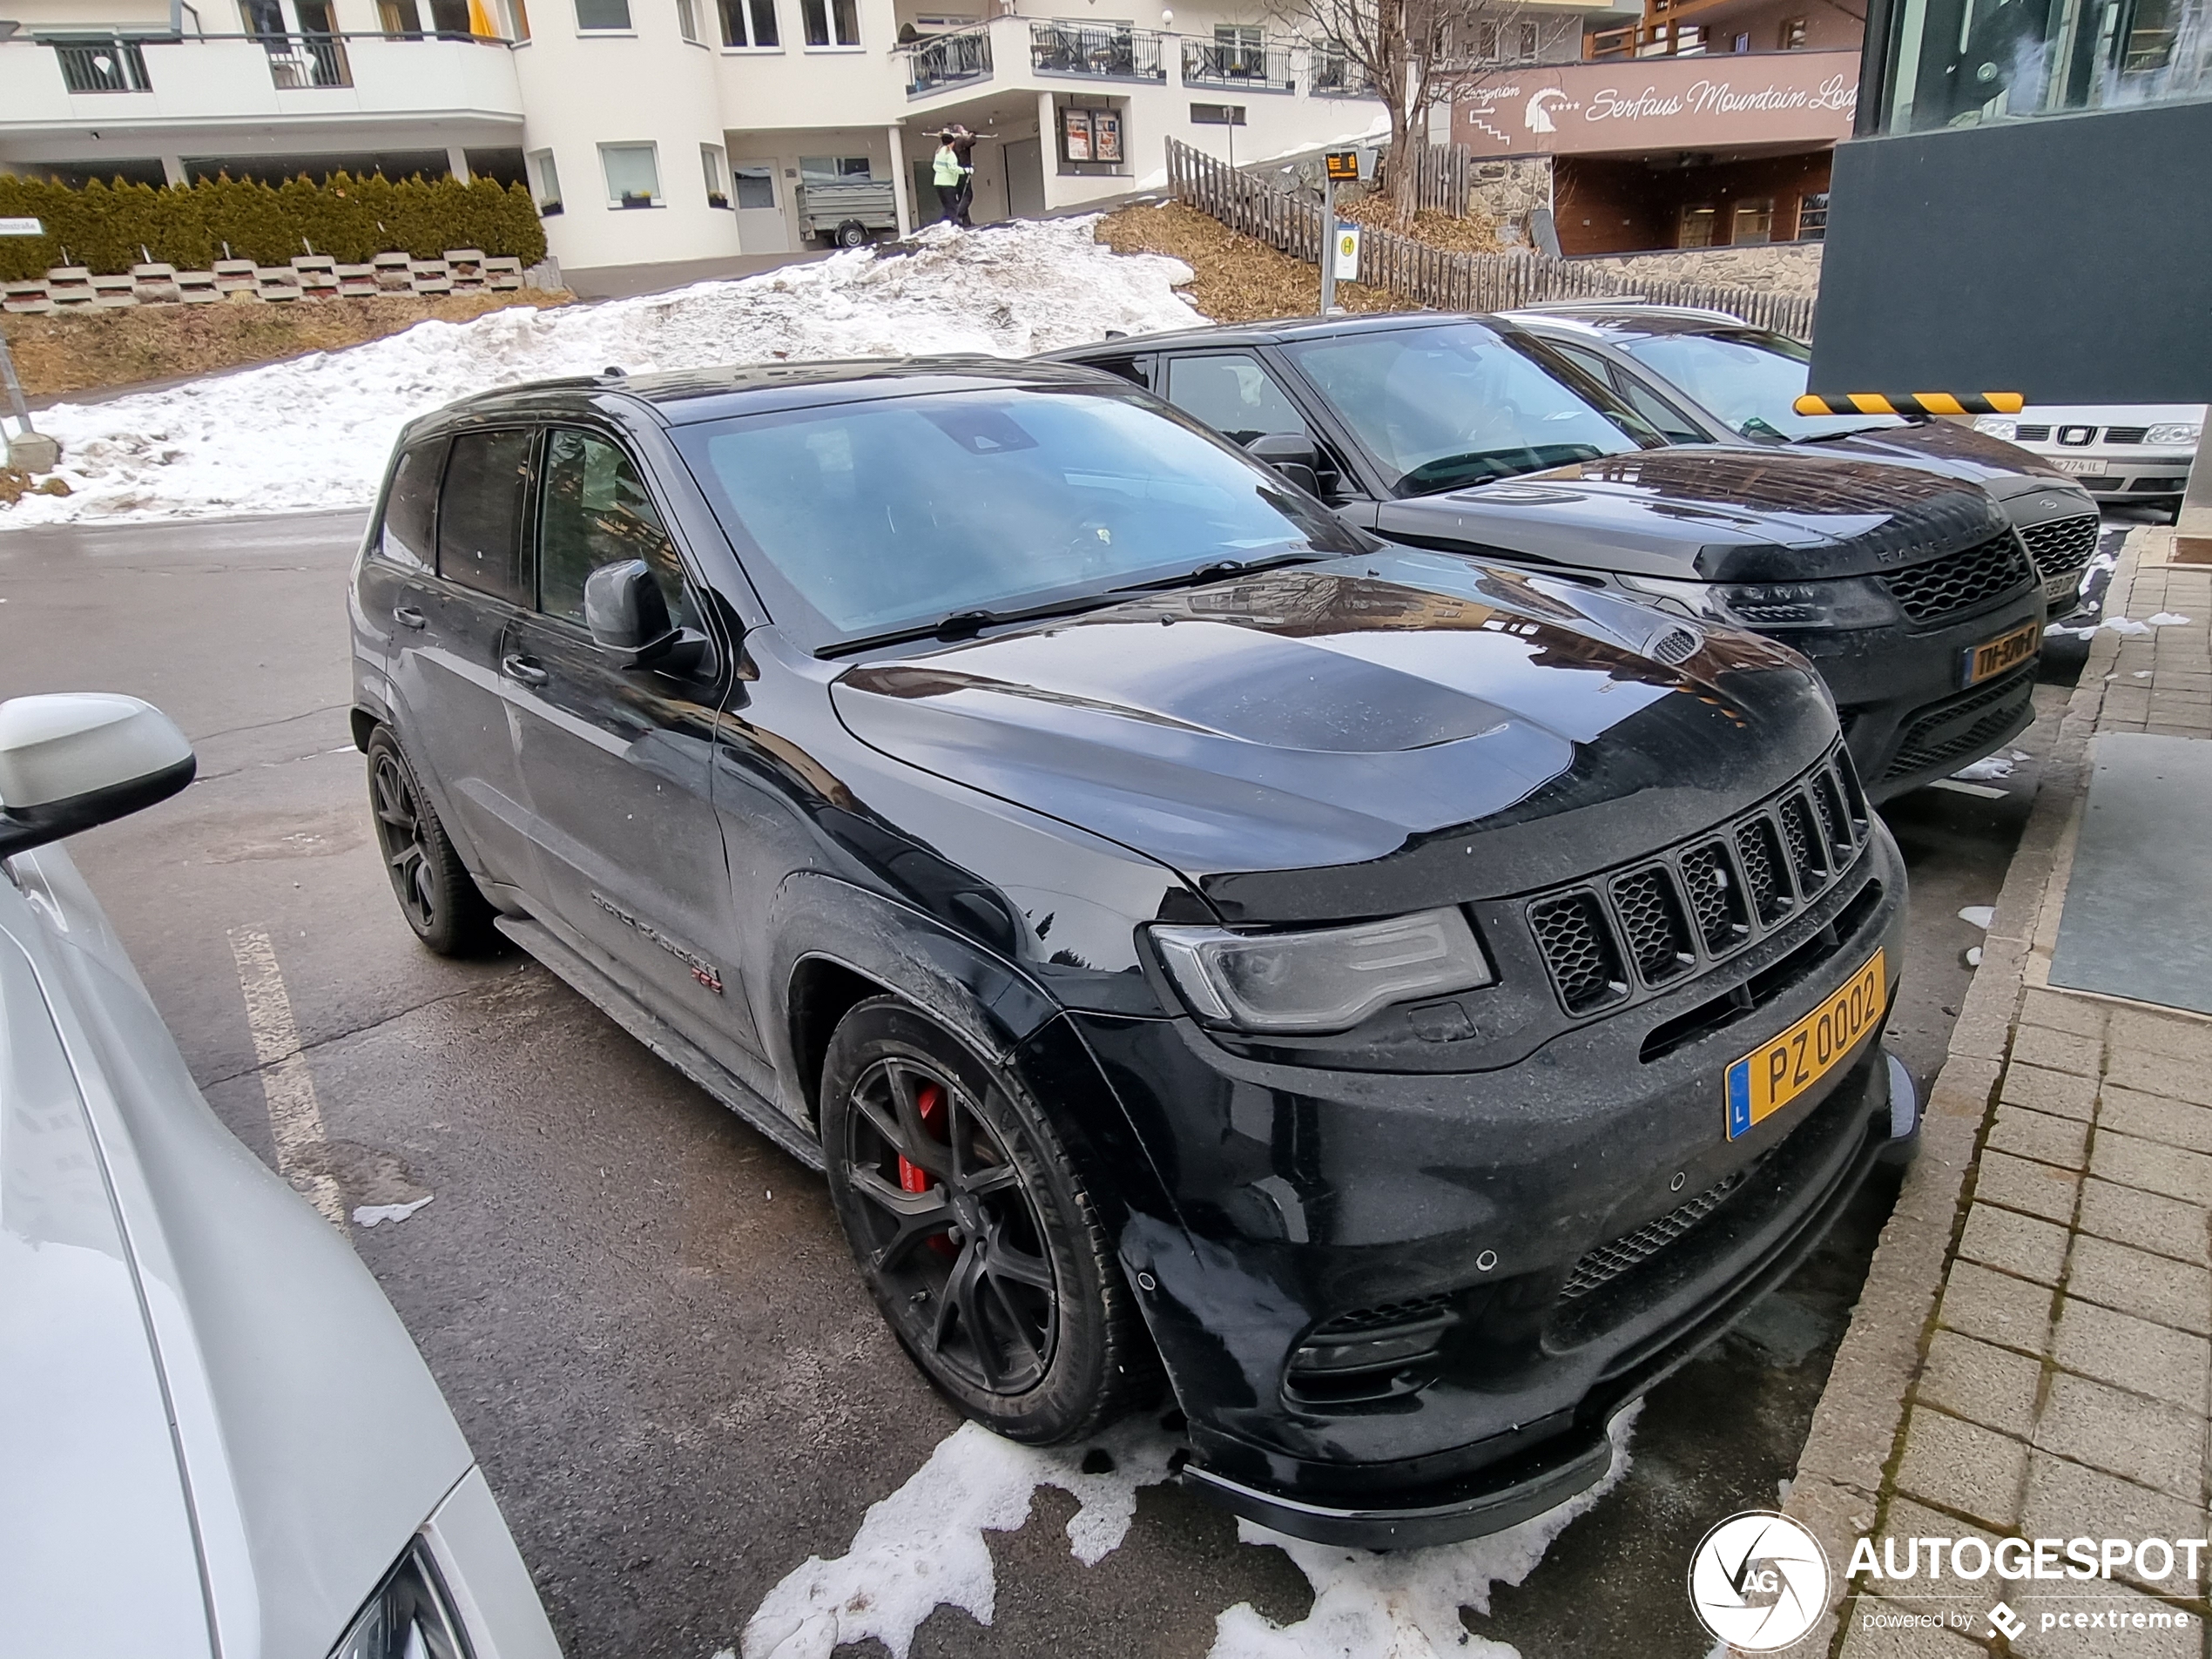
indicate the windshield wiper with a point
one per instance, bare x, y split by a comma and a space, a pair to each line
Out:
965, 624
1220, 570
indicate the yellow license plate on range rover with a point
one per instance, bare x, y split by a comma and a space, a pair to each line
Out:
1992, 656
1772, 1075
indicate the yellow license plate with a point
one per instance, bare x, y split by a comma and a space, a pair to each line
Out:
1770, 1077
1994, 657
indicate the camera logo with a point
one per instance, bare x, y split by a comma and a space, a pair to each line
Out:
1759, 1581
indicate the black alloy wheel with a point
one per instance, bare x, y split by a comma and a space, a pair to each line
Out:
974, 1233
436, 894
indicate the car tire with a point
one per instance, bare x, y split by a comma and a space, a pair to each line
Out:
437, 895
1013, 1303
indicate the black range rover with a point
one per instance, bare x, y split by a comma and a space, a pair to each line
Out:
1407, 1005
1909, 589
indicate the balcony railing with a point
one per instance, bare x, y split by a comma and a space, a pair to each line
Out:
1335, 75
106, 65
1095, 52
308, 60
947, 60
1251, 69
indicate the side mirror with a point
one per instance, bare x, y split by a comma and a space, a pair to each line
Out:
1293, 455
73, 759
628, 615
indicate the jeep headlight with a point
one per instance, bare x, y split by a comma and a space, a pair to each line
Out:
1998, 425
2175, 431
1322, 978
408, 1617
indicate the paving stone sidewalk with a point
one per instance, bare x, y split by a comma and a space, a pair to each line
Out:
2033, 1353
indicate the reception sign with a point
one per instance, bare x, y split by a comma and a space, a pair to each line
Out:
1637, 104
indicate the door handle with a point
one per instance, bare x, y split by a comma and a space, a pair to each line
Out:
409, 616
523, 669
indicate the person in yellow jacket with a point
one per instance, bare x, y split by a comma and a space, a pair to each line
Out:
951, 174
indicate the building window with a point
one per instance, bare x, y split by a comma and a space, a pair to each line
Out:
1697, 224
592, 14
832, 23
710, 165
1793, 34
1812, 217
756, 186
516, 18
687, 20
545, 180
1743, 43
633, 174
750, 23
831, 167
1753, 223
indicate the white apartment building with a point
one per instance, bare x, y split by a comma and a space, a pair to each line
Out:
679, 135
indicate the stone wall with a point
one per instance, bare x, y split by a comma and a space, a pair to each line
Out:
1510, 190
307, 277
1779, 267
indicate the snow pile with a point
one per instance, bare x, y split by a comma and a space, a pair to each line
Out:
316, 431
922, 1547
1405, 1604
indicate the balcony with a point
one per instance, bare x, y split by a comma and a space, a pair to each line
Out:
1334, 74
149, 84
1097, 52
1237, 67
941, 61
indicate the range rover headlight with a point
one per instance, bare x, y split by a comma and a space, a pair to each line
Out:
2175, 431
1998, 425
408, 1617
1323, 979
1834, 602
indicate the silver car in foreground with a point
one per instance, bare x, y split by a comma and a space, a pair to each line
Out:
216, 1437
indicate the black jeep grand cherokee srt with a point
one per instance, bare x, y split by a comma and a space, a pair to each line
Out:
1412, 1005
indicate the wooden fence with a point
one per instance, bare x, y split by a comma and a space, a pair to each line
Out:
1446, 175
1446, 281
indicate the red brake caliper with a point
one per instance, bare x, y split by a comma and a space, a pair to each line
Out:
929, 1102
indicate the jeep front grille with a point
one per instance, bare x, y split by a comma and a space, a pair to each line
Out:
1663, 919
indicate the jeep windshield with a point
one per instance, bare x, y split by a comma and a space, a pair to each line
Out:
1445, 407
941, 513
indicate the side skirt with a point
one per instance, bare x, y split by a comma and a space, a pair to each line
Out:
618, 1005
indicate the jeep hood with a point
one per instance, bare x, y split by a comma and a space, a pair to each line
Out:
1377, 709
1715, 514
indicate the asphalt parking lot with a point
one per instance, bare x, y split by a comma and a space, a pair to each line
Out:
643, 1314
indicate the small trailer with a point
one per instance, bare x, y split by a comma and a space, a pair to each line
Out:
849, 211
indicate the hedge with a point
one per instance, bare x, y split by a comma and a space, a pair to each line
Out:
112, 227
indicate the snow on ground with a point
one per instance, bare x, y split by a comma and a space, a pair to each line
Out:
923, 1548
1404, 1604
316, 431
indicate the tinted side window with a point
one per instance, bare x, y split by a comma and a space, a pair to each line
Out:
404, 536
480, 513
595, 510
1234, 395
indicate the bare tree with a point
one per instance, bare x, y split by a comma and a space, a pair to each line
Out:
1415, 55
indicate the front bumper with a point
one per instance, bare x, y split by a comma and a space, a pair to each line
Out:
1906, 719
2121, 473
1314, 1201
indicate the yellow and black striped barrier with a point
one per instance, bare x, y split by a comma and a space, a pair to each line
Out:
1913, 403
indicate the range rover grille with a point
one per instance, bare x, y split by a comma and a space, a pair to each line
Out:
1961, 581
1664, 919
2063, 545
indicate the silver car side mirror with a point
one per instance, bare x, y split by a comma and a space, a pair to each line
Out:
71, 759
